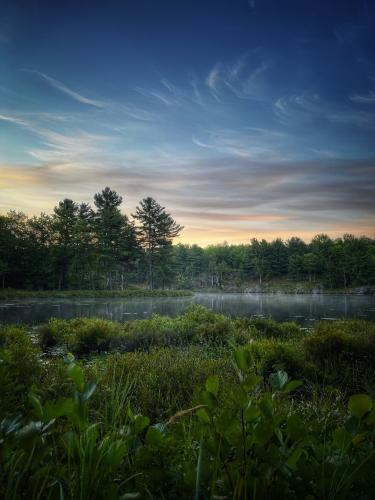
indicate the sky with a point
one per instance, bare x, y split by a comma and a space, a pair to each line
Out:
244, 118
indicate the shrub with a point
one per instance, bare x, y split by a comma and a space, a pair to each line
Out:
197, 325
269, 355
350, 341
268, 328
203, 325
81, 335
155, 331
344, 352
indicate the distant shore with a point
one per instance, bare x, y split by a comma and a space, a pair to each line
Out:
290, 289
128, 293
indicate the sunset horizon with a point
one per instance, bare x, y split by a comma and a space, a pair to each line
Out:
243, 119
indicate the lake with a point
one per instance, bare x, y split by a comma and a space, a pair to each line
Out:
303, 309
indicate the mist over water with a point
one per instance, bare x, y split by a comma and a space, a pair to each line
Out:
303, 309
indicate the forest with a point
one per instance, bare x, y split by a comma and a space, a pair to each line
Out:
79, 247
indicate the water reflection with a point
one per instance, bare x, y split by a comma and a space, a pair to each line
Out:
304, 309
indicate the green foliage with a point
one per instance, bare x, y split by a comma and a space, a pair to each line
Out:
253, 447
342, 348
19, 367
81, 335
82, 248
60, 452
197, 325
156, 229
210, 420
269, 355
164, 380
359, 405
268, 328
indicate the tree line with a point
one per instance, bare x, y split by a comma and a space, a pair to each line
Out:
87, 248
335, 263
84, 247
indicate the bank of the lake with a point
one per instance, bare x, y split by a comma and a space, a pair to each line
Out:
202, 405
6, 294
288, 286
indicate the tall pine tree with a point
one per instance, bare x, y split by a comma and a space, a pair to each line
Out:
115, 235
156, 230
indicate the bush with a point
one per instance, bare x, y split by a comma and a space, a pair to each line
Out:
269, 355
202, 325
261, 328
155, 331
81, 335
349, 341
344, 352
197, 325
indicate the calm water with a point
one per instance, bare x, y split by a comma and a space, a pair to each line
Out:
304, 309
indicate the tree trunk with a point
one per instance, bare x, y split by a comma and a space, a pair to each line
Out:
150, 269
60, 279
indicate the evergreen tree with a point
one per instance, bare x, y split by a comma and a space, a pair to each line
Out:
156, 229
40, 236
64, 221
84, 261
115, 235
259, 250
278, 257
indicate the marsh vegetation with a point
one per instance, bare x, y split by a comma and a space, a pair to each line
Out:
198, 406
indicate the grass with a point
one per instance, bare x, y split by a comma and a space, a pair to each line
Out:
6, 294
198, 406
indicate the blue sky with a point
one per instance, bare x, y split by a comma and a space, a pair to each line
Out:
244, 118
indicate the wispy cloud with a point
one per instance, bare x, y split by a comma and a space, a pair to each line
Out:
305, 107
364, 98
213, 77
154, 94
243, 78
68, 91
253, 143
13, 119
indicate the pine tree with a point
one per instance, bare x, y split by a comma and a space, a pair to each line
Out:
64, 221
84, 247
155, 231
115, 234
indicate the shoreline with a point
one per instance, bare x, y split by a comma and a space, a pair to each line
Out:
130, 293
67, 294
